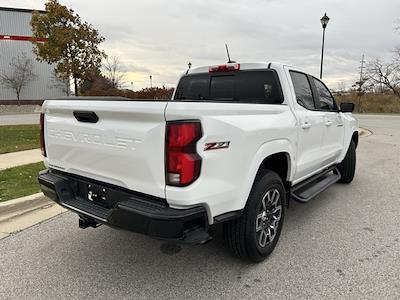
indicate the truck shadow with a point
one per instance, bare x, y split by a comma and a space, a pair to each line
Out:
132, 261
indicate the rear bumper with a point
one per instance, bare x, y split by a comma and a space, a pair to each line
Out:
125, 209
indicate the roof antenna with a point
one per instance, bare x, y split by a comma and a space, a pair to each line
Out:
227, 53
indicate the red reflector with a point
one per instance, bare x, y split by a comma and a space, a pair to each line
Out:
42, 143
183, 163
224, 68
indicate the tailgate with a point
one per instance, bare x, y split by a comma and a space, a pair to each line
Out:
125, 147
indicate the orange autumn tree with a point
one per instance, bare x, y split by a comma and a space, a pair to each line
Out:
72, 44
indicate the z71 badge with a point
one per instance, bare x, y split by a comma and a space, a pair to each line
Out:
216, 145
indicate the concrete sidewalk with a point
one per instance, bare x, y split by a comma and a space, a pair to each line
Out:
19, 158
19, 119
21, 213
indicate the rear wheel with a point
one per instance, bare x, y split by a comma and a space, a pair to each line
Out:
347, 167
255, 234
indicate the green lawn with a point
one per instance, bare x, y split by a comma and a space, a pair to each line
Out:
18, 137
19, 181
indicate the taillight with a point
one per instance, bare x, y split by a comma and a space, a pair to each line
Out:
183, 163
224, 68
42, 144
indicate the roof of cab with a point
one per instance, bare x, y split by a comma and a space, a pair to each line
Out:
243, 66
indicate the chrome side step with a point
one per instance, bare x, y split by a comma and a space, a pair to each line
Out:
311, 187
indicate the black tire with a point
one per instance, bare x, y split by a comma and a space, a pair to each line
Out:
241, 234
347, 167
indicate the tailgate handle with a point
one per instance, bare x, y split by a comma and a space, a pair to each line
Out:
86, 116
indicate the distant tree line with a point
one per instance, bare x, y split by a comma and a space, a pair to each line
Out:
100, 85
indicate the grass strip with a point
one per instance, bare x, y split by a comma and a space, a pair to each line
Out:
20, 181
18, 137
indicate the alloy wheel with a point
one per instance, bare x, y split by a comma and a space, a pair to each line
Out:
268, 217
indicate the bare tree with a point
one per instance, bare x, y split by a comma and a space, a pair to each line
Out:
113, 72
397, 49
384, 76
20, 75
60, 84
381, 74
397, 54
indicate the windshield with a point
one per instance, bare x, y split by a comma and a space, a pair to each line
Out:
243, 87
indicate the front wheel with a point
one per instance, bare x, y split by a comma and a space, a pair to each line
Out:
255, 234
347, 167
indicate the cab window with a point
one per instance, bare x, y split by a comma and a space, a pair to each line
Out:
247, 86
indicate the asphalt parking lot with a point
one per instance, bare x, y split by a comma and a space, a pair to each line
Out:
343, 244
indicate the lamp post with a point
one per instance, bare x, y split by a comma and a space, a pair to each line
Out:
324, 22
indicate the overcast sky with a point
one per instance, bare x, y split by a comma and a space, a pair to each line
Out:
160, 37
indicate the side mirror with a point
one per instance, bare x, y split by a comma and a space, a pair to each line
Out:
346, 107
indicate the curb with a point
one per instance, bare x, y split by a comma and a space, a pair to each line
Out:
364, 132
38, 109
16, 207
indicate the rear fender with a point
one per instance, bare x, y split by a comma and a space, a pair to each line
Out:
266, 150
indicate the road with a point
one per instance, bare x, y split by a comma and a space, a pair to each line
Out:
344, 244
19, 119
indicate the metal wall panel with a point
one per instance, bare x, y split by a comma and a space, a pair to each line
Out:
17, 23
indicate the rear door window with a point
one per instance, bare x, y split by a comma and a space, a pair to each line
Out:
302, 89
326, 100
259, 86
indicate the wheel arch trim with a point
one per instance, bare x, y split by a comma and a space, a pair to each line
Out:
265, 151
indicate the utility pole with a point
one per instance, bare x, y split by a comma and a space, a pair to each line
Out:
361, 70
361, 82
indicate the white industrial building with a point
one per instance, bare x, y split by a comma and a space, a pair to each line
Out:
15, 39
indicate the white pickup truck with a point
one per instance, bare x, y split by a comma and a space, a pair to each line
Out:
232, 146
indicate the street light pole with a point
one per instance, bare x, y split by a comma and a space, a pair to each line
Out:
322, 52
324, 22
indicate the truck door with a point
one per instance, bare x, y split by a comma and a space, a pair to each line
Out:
310, 126
332, 142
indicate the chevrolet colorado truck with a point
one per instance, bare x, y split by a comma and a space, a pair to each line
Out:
232, 146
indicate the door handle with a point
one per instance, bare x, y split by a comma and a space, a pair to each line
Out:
328, 123
86, 116
306, 125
